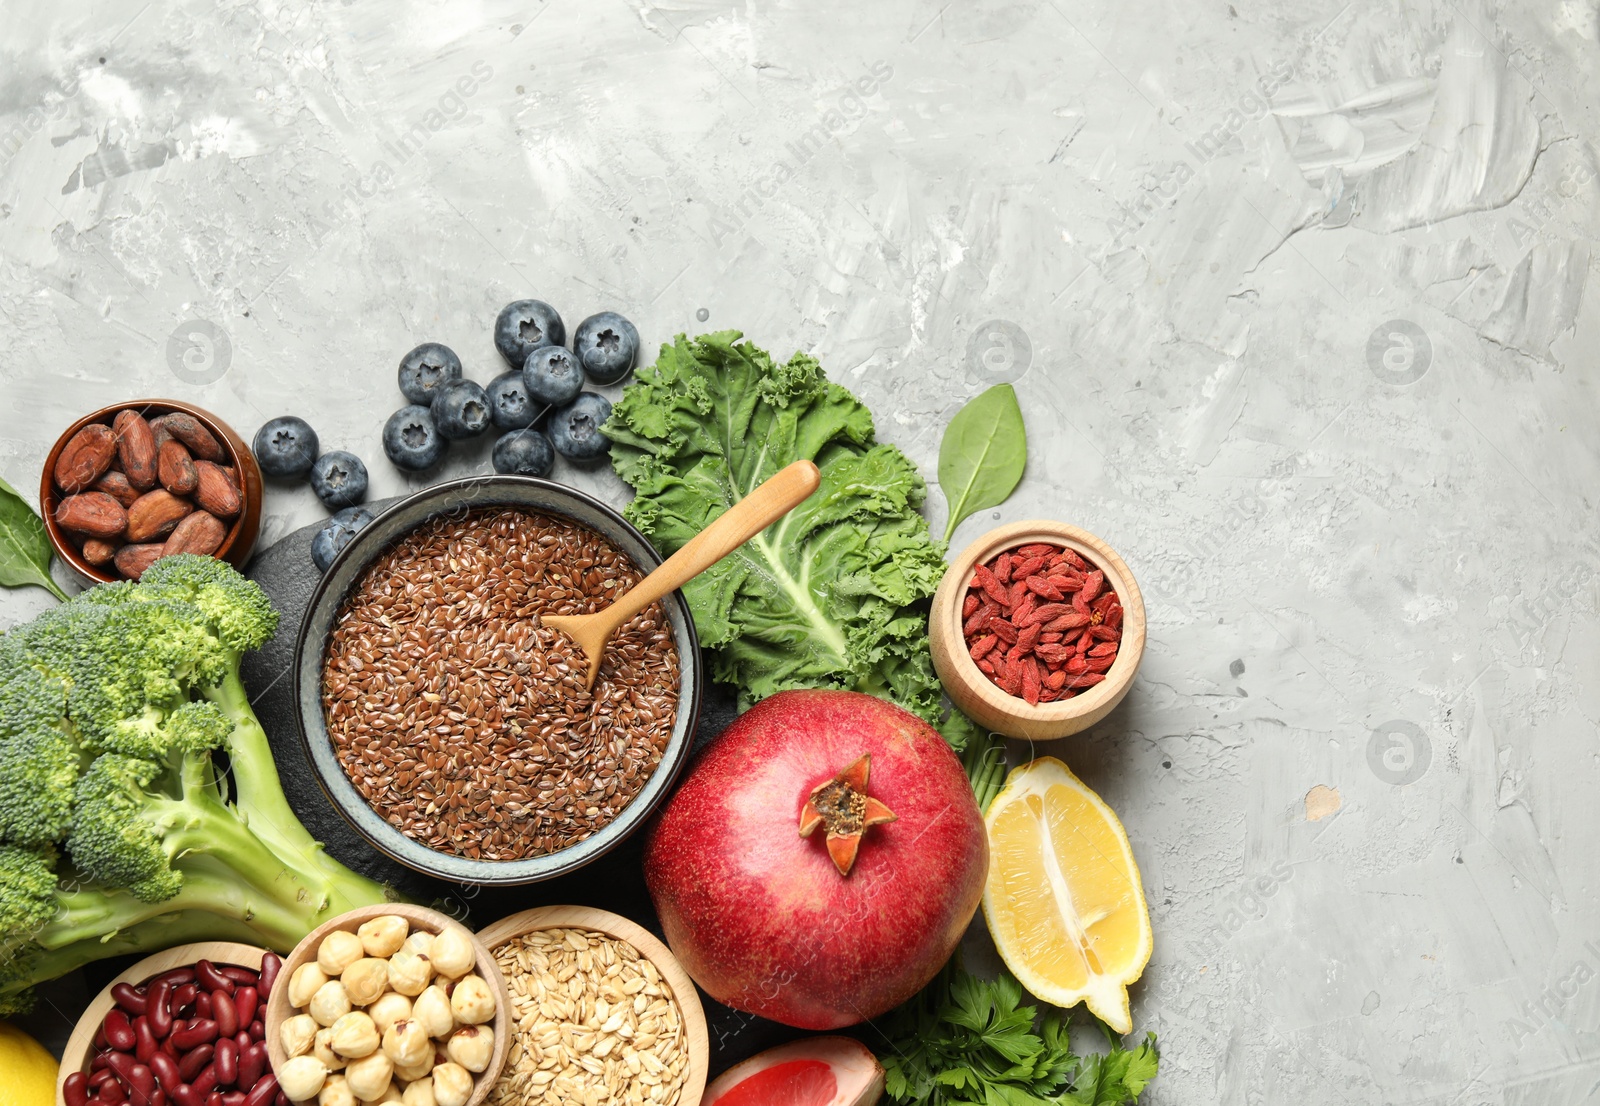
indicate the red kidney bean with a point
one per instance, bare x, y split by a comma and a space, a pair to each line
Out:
243, 1040
234, 1098
271, 965
158, 1009
256, 1030
184, 1096
224, 1013
206, 1081
262, 1092
143, 1088
282, 1100
122, 1063
211, 978
182, 996
98, 1064
169, 1048
111, 1092
202, 1004
243, 976
119, 1032
176, 977
246, 1000
252, 1062
166, 1072
158, 1097
227, 1062
145, 1044
193, 1060
76, 1089
214, 1098
129, 998
97, 1079
100, 1036
199, 1032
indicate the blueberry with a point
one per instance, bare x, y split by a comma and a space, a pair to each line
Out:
411, 440
607, 346
510, 405
339, 479
461, 410
333, 535
286, 446
575, 428
425, 368
525, 326
524, 453
552, 376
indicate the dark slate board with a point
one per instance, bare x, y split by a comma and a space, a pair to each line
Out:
614, 882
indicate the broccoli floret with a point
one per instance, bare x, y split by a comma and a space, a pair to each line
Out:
111, 709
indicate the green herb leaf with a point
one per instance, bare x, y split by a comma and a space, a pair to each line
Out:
827, 596
965, 1040
982, 454
24, 546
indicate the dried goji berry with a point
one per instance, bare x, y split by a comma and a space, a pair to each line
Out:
1105, 633
1077, 666
1071, 620
1104, 649
1024, 567
1043, 588
1088, 679
1029, 637
986, 667
1081, 605
1092, 584
982, 646
1004, 630
1022, 614
1055, 681
969, 605
1002, 568
1030, 682
1038, 549
1100, 664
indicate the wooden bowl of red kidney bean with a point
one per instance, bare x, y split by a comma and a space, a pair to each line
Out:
1037, 630
184, 1027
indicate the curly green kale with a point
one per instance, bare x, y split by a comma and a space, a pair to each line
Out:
834, 594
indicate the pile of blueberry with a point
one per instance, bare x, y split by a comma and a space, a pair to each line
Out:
287, 448
543, 386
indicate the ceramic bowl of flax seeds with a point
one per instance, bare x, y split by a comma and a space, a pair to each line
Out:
450, 726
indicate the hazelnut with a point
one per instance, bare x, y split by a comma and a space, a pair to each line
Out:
304, 983
297, 1033
338, 951
383, 936
420, 942
330, 1003
409, 972
336, 1092
389, 1009
410, 1073
302, 1077
366, 980
471, 1000
419, 1093
471, 1046
452, 1085
354, 1036
322, 1049
452, 952
432, 1009
406, 1043
389, 1097
369, 1076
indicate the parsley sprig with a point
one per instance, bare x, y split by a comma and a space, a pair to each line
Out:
966, 1041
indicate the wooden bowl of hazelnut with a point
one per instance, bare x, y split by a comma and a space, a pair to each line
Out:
127, 484
392, 1003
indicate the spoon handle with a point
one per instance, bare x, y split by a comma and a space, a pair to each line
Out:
776, 497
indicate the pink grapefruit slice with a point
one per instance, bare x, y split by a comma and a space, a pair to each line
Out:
818, 1071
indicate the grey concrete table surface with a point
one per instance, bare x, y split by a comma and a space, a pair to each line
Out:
1297, 298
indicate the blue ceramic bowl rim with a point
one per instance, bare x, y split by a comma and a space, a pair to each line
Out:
529, 493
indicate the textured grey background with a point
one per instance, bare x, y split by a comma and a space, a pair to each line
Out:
1297, 298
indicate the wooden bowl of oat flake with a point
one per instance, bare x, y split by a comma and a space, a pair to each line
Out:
642, 1024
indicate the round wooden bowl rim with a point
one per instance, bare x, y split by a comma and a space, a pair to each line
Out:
650, 946
50, 497
945, 617
278, 1009
80, 1046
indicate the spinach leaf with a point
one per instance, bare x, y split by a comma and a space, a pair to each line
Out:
826, 597
982, 454
24, 545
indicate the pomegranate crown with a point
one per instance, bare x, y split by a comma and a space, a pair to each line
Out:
843, 807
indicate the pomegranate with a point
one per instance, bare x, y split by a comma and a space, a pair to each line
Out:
819, 930
818, 1071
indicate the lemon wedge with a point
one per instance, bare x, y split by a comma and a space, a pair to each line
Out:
1063, 898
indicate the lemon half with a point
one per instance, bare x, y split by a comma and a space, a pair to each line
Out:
1063, 898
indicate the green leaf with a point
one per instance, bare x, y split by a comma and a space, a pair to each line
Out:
982, 454
829, 596
24, 546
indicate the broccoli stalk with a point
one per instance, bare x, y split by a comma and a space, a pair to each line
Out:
117, 833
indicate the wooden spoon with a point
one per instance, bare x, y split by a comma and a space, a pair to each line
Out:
775, 498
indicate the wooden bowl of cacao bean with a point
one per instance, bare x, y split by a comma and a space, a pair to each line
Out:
128, 484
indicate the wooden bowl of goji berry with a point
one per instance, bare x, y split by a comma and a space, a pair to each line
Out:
1037, 630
